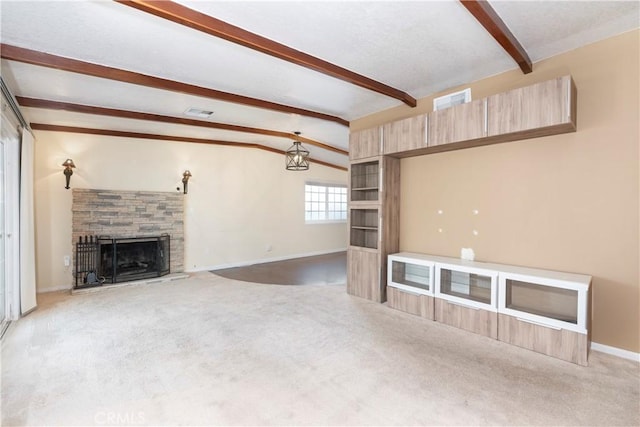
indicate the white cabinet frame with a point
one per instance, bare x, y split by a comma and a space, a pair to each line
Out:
411, 259
461, 267
580, 284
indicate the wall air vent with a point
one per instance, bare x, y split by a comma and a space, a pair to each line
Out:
455, 98
197, 112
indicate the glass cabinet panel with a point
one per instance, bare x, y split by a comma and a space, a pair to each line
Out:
364, 228
470, 286
364, 181
553, 302
414, 275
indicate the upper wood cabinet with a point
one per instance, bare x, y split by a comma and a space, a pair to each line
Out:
462, 122
365, 143
541, 109
405, 135
532, 109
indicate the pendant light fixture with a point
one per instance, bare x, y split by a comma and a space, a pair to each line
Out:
297, 157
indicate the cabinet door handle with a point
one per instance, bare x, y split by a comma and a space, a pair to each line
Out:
411, 292
426, 130
381, 179
569, 99
538, 323
486, 117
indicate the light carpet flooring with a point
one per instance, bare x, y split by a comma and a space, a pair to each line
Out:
214, 351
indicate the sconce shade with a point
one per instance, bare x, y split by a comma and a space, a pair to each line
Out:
68, 164
185, 181
297, 157
68, 171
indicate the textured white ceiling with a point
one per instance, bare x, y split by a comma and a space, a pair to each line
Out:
420, 47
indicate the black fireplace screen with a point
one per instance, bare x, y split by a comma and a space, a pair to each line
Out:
123, 259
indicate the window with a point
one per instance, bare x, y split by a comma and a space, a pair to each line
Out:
325, 203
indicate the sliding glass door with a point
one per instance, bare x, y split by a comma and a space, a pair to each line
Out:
3, 271
9, 217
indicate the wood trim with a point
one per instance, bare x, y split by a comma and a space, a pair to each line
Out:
489, 19
140, 135
28, 56
180, 14
89, 109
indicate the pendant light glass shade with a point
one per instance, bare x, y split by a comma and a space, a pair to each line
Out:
297, 157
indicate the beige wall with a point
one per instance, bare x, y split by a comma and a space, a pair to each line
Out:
567, 202
239, 202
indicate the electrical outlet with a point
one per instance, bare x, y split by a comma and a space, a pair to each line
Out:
67, 260
269, 248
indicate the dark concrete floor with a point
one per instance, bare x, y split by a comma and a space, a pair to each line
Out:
329, 269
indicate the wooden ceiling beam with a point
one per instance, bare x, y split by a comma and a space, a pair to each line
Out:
15, 53
140, 135
489, 19
180, 14
112, 112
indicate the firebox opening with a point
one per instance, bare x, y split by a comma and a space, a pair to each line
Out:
125, 259
114, 260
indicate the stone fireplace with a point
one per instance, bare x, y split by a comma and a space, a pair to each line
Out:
120, 215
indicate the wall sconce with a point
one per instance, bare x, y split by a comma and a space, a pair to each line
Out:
185, 181
68, 171
296, 157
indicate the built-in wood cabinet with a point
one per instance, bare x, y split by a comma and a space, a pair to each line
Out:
556, 342
363, 276
364, 181
541, 109
467, 296
404, 135
545, 311
464, 122
365, 143
534, 110
364, 226
374, 224
410, 279
539, 312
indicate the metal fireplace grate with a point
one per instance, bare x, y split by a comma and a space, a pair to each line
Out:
87, 250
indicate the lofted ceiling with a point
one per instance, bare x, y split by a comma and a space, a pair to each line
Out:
144, 70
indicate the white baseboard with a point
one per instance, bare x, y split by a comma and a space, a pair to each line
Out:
615, 351
54, 289
264, 260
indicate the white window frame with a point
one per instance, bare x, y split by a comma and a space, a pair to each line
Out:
326, 202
